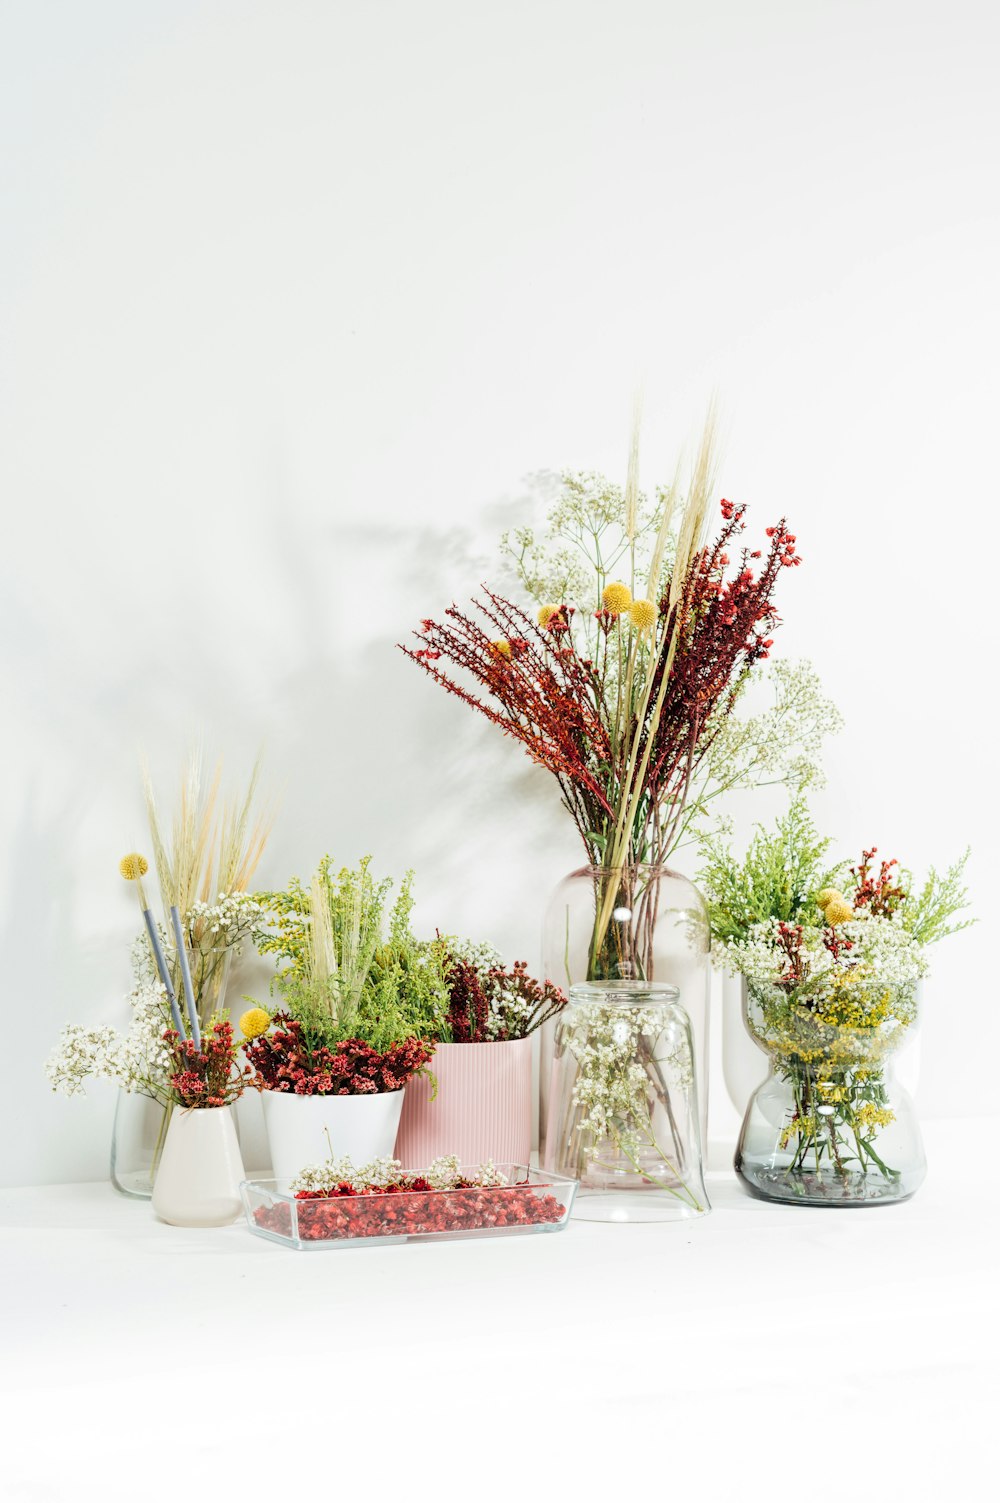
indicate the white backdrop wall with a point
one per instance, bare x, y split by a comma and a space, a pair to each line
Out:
295, 296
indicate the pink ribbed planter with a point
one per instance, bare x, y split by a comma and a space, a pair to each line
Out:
482, 1109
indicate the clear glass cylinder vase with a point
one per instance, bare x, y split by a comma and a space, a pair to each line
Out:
623, 1104
137, 1138
635, 923
831, 1125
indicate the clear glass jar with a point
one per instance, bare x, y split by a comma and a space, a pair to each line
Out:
137, 1138
636, 923
209, 978
623, 1104
830, 1125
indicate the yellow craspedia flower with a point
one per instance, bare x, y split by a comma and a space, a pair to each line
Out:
616, 597
501, 648
643, 614
838, 912
133, 866
827, 896
254, 1022
546, 613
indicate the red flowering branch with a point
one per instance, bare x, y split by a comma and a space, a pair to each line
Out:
880, 894
571, 716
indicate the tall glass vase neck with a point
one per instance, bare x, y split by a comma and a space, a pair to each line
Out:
627, 908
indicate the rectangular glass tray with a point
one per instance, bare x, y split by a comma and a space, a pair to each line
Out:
531, 1201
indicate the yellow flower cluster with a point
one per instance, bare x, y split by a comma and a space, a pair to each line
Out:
133, 866
254, 1022
870, 1117
616, 598
806, 1127
643, 614
850, 1003
836, 908
546, 613
501, 649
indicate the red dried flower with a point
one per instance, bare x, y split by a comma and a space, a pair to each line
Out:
284, 1061
563, 710
209, 1075
411, 1208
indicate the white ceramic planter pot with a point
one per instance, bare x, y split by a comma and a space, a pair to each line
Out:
198, 1181
482, 1109
360, 1128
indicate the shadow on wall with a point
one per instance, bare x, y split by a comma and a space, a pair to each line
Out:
54, 973
386, 762
293, 650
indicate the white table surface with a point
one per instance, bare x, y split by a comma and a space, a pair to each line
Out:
762, 1351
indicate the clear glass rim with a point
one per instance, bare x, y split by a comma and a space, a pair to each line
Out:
623, 993
531, 1177
645, 867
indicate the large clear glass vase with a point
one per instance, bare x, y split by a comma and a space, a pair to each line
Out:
623, 1104
831, 1125
634, 923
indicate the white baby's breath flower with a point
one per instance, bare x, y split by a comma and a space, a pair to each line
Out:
443, 1173
138, 1060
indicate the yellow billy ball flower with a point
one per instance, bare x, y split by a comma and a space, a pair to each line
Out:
643, 614
501, 648
133, 866
827, 896
616, 598
254, 1022
838, 912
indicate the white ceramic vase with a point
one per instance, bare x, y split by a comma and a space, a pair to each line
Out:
360, 1128
198, 1181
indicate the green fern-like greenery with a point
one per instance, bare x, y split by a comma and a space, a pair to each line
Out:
927, 913
352, 965
779, 876
785, 869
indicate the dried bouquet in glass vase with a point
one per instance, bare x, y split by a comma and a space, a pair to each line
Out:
180, 964
832, 963
620, 676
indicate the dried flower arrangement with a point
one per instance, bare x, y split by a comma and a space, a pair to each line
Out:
622, 695
831, 955
361, 998
490, 1004
207, 1074
334, 1202
177, 975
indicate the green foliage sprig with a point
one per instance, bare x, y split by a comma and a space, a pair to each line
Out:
352, 965
786, 868
778, 878
927, 913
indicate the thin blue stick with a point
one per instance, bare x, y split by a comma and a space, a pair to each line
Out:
161, 966
192, 1011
